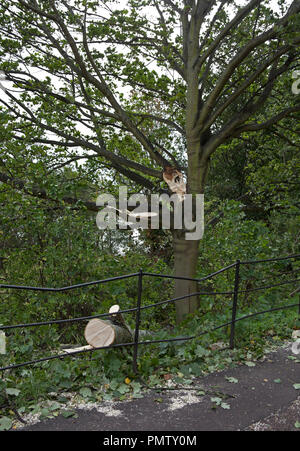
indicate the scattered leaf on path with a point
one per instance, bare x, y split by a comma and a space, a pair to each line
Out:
201, 393
224, 405
69, 414
232, 380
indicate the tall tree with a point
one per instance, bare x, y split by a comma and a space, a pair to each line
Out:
85, 72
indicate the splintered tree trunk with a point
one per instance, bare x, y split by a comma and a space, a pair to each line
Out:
185, 265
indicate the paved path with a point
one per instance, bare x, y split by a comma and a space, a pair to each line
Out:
256, 403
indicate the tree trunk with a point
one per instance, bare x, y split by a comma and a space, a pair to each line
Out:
186, 251
185, 265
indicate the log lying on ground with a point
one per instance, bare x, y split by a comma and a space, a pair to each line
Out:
99, 332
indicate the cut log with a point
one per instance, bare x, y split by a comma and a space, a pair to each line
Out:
99, 333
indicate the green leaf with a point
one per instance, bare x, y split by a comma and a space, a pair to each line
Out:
5, 423
216, 400
86, 392
136, 386
277, 381
297, 424
45, 412
69, 414
201, 393
250, 364
296, 386
54, 406
123, 388
224, 405
200, 351
13, 391
232, 380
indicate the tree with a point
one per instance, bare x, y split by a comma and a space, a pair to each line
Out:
211, 66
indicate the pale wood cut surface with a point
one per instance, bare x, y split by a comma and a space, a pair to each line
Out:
99, 333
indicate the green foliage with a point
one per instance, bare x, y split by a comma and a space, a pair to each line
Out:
55, 248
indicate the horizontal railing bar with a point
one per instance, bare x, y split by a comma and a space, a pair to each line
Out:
266, 287
213, 293
189, 278
283, 307
224, 325
71, 287
69, 320
248, 316
269, 259
179, 298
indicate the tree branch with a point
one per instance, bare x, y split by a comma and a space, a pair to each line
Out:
244, 12
101, 151
42, 194
254, 126
230, 128
242, 88
240, 56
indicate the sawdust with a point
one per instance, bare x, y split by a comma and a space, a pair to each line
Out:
183, 398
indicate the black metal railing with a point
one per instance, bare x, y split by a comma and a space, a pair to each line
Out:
139, 307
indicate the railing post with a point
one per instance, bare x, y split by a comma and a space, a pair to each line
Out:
234, 303
137, 321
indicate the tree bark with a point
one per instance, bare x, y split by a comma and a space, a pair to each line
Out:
185, 265
186, 252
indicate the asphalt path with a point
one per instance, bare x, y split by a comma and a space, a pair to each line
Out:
258, 398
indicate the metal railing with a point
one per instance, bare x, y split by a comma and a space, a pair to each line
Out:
139, 307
